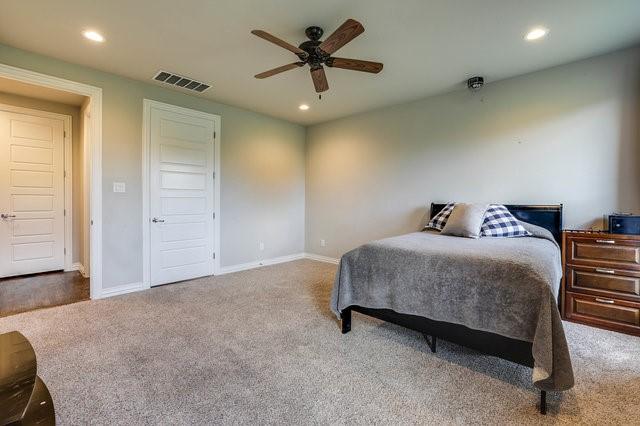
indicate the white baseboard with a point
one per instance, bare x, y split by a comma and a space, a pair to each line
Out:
321, 258
121, 289
77, 266
276, 260
260, 263
130, 288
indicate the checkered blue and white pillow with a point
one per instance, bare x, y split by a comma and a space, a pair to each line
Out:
499, 222
440, 219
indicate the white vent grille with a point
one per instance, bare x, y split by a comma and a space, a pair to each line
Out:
181, 82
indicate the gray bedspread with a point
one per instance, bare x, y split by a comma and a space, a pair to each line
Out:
506, 286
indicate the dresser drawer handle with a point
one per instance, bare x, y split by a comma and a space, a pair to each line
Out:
605, 271
609, 301
606, 241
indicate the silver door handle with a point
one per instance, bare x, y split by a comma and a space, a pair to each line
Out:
605, 271
7, 216
156, 220
609, 301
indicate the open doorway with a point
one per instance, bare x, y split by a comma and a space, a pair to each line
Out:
44, 196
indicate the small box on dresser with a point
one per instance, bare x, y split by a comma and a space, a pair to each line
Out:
601, 281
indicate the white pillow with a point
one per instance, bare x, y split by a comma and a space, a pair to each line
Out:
465, 220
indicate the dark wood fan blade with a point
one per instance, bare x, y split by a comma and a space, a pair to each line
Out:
275, 40
319, 80
279, 70
343, 35
355, 65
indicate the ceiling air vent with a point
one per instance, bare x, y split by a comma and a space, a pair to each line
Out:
180, 81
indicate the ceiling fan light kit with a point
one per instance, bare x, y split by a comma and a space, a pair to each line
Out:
317, 53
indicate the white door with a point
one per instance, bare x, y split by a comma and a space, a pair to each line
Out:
31, 194
181, 196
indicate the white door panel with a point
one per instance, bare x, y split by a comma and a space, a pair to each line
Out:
31, 179
26, 203
183, 206
32, 227
33, 251
179, 155
181, 196
31, 154
183, 231
27, 129
185, 131
181, 180
31, 193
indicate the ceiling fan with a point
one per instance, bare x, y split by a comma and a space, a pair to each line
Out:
317, 53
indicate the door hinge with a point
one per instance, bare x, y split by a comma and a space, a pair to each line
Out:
64, 174
214, 134
65, 251
214, 175
64, 133
214, 255
214, 215
64, 212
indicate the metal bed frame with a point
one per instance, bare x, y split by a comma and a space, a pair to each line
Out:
518, 351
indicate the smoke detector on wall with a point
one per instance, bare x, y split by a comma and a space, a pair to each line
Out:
181, 81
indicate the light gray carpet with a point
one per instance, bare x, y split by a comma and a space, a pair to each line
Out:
262, 347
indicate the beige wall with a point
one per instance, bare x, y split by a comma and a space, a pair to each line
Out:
262, 171
567, 135
77, 194
564, 135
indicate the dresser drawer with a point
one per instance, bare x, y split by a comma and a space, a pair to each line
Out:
604, 312
604, 252
606, 282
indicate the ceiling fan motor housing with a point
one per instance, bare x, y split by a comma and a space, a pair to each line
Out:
316, 57
314, 33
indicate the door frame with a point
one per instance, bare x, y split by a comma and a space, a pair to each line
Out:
94, 163
67, 173
147, 105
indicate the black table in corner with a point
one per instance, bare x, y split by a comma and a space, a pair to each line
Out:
24, 398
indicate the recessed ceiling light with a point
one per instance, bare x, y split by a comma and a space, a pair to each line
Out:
93, 36
304, 107
536, 33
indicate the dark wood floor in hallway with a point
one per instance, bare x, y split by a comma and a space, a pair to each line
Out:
37, 291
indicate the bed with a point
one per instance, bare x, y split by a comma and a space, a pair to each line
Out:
495, 295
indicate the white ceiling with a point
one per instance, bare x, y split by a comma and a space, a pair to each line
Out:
427, 46
38, 92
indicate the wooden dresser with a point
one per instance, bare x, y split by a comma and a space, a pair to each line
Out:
601, 282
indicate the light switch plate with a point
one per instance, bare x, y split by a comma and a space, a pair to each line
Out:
119, 187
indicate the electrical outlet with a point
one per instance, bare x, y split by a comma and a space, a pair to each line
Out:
322, 243
119, 187
261, 246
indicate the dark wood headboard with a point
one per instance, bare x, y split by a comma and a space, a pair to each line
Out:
546, 216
